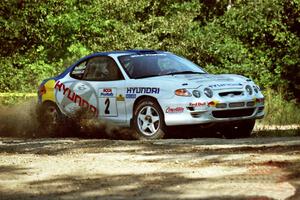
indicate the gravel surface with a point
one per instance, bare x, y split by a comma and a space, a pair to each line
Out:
202, 168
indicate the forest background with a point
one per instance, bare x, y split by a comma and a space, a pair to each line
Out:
259, 39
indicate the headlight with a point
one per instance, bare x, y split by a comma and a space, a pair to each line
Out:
249, 89
183, 92
196, 93
208, 92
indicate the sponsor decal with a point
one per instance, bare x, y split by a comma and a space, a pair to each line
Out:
78, 72
149, 54
45, 94
70, 97
106, 92
207, 77
198, 104
130, 96
142, 90
225, 85
120, 98
174, 110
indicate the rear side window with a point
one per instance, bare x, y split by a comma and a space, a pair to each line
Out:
79, 70
102, 68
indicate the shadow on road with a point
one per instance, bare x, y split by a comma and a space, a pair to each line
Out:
155, 185
163, 185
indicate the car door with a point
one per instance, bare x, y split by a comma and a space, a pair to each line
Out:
72, 93
104, 75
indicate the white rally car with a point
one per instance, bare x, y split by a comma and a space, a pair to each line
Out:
150, 90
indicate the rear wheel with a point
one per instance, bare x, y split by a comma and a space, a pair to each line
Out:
241, 129
49, 117
148, 120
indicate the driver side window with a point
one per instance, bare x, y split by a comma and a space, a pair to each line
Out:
102, 68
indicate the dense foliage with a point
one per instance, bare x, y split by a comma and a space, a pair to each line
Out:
259, 39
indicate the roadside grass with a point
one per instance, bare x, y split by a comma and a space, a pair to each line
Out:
282, 117
279, 111
277, 132
10, 99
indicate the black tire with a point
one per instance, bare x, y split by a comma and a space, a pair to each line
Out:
148, 121
49, 119
240, 129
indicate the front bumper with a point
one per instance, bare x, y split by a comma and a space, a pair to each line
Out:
181, 111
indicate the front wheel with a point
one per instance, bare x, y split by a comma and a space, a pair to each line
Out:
148, 120
241, 129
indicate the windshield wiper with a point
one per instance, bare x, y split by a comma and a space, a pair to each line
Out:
184, 72
146, 76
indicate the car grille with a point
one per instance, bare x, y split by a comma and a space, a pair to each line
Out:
232, 113
236, 104
221, 105
250, 103
196, 114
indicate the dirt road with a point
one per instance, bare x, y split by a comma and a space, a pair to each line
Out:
255, 168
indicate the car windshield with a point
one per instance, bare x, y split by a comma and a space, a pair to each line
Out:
149, 65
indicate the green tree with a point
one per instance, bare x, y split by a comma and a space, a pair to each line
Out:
259, 39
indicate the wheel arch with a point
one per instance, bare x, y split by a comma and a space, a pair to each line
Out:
47, 103
141, 98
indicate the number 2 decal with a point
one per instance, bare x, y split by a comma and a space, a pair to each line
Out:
107, 103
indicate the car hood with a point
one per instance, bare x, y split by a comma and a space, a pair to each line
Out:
215, 82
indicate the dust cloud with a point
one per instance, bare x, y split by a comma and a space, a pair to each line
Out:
19, 120
22, 120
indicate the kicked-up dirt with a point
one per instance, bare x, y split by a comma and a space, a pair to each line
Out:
202, 168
